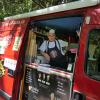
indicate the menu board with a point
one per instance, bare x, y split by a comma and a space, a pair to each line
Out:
43, 86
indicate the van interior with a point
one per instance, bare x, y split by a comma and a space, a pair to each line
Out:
42, 80
66, 29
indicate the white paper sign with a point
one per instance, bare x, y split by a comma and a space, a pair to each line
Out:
10, 63
87, 19
2, 50
4, 42
17, 43
69, 67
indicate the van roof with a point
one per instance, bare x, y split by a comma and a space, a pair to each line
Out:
57, 8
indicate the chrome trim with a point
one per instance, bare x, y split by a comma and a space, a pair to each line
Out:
52, 71
5, 95
57, 8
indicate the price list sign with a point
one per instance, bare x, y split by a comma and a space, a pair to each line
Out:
43, 86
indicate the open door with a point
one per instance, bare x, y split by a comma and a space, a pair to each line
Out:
42, 80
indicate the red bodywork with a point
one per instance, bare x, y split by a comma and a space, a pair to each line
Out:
82, 83
10, 84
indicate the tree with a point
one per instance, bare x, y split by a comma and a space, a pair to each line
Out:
13, 7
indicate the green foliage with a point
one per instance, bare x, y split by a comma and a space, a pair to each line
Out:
13, 7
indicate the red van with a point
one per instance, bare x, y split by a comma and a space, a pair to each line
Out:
24, 73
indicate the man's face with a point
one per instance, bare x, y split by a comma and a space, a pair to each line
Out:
51, 36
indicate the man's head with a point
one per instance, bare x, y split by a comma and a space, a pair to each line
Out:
51, 35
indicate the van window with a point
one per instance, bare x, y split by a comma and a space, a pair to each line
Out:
93, 55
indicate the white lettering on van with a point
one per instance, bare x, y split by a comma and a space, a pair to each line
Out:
13, 23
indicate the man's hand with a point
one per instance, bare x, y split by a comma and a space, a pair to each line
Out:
46, 56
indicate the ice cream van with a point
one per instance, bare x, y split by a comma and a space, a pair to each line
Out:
24, 72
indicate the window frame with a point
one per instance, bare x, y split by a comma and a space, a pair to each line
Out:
86, 53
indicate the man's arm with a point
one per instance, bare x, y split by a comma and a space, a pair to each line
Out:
45, 55
43, 49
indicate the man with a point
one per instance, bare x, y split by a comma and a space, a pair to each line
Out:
52, 50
